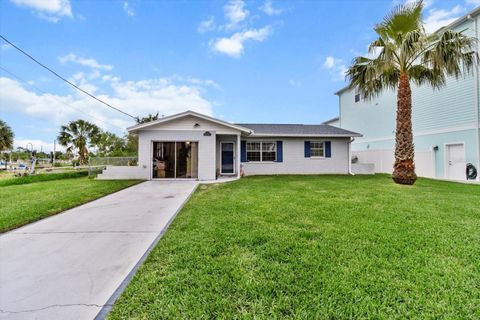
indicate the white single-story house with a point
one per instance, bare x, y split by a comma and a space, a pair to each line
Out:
191, 145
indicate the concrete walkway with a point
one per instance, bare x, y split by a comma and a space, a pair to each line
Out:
68, 266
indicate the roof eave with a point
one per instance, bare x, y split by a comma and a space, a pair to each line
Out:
342, 90
141, 126
349, 135
460, 20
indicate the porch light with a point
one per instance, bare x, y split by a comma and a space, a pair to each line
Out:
207, 134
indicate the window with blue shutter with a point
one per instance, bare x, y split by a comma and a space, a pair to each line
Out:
307, 149
279, 151
243, 151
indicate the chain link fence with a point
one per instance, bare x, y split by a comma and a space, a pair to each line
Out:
97, 164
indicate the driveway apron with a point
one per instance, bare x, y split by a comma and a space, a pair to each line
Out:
68, 266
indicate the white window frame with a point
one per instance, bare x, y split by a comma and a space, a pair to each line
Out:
323, 148
261, 150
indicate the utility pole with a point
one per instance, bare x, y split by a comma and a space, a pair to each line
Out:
54, 147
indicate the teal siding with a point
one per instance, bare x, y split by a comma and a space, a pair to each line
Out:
450, 108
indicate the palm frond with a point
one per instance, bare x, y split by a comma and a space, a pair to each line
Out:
421, 74
401, 20
372, 76
452, 53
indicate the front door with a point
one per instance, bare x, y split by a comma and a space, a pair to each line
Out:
455, 161
227, 155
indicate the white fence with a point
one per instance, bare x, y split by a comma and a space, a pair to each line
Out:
384, 159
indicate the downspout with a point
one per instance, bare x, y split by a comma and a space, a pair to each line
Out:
350, 157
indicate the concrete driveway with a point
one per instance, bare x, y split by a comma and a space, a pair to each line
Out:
68, 266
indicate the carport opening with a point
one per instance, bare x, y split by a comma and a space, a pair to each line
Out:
175, 160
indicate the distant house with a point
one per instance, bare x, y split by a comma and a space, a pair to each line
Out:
445, 122
191, 145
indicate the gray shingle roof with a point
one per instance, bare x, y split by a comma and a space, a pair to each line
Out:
298, 130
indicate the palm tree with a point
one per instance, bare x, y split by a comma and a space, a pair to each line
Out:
6, 138
77, 136
150, 117
405, 54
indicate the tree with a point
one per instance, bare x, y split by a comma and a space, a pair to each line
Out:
405, 54
131, 144
77, 136
110, 144
150, 117
6, 138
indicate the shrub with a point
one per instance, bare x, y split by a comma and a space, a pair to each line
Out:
42, 177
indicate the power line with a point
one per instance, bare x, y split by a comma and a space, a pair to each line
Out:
64, 79
60, 101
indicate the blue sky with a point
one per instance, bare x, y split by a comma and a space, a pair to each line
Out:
241, 61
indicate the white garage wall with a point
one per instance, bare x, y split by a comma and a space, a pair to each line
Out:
294, 161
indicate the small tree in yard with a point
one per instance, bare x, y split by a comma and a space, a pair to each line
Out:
110, 144
6, 138
77, 136
406, 53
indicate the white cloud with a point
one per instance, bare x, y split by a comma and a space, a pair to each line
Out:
235, 12
336, 67
437, 18
295, 83
52, 10
128, 9
207, 25
473, 2
164, 95
87, 62
268, 8
329, 62
234, 45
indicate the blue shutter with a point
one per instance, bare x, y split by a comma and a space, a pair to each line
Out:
328, 149
279, 151
307, 149
243, 151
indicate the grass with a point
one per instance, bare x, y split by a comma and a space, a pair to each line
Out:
304, 247
25, 203
42, 177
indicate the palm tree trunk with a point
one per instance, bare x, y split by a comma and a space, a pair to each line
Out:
404, 167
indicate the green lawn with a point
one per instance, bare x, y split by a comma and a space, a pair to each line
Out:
25, 203
304, 247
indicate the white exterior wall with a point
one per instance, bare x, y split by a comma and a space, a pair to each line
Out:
206, 149
294, 161
187, 128
122, 172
